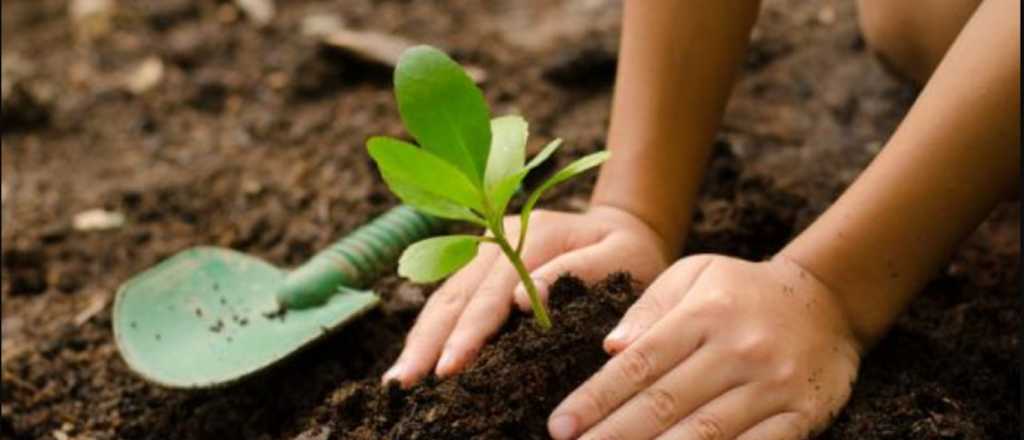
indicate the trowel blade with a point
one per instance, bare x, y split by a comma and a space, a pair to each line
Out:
209, 316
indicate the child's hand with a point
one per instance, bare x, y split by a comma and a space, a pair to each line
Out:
473, 303
719, 348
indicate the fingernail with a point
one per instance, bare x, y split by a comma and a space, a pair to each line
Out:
542, 286
445, 365
562, 427
539, 283
619, 334
393, 373
519, 290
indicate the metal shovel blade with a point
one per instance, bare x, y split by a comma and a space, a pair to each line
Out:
210, 316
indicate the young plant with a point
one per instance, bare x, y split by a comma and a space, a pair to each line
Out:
468, 167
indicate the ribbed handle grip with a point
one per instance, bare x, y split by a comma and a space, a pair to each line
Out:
354, 261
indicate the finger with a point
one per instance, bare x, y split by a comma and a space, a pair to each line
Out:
727, 416
668, 400
660, 297
697, 381
487, 310
586, 263
785, 426
436, 320
636, 368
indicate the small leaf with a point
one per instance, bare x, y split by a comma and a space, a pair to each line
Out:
444, 110
544, 154
580, 165
501, 193
429, 203
406, 166
508, 148
435, 258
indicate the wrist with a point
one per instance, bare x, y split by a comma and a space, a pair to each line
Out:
637, 181
669, 242
860, 335
869, 306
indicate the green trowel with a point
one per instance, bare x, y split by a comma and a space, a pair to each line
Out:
210, 316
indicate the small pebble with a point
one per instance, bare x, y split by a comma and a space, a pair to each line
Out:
97, 220
827, 15
146, 76
260, 12
92, 19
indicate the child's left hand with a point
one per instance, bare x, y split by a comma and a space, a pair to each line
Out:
720, 348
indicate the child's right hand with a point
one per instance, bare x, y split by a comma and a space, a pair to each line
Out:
476, 301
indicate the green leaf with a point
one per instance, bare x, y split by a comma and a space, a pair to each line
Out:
501, 193
435, 258
444, 110
544, 154
432, 204
412, 171
580, 165
508, 148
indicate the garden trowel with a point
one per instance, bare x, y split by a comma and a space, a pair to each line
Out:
210, 316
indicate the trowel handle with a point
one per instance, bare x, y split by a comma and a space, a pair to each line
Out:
354, 261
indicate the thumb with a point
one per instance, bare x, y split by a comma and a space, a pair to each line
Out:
663, 295
588, 263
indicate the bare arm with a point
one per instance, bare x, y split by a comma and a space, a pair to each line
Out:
723, 348
677, 64
951, 160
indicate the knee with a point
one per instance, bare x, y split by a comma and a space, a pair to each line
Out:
888, 31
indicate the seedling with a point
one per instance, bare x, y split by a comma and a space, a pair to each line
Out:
468, 167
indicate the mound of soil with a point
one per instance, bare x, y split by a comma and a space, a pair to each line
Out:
510, 390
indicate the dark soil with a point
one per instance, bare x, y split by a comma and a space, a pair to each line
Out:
509, 391
253, 139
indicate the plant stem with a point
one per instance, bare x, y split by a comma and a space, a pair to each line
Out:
540, 313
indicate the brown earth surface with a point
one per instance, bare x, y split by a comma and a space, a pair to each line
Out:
253, 139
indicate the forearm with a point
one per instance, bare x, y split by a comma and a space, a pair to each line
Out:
677, 63
953, 158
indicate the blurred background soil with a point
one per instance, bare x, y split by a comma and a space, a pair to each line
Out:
135, 129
